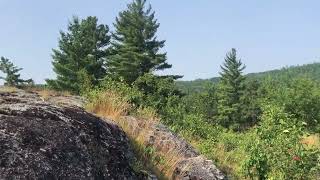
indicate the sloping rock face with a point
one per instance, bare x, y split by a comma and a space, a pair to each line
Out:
39, 140
188, 163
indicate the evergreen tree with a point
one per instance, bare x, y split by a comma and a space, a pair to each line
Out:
230, 91
81, 55
135, 48
12, 73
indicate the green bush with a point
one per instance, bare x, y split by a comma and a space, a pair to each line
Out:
204, 103
133, 95
156, 90
299, 97
278, 151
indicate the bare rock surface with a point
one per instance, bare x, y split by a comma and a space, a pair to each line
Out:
40, 140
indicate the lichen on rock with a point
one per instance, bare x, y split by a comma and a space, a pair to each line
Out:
40, 140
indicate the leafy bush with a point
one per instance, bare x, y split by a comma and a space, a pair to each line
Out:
204, 103
299, 97
195, 126
278, 151
156, 90
131, 94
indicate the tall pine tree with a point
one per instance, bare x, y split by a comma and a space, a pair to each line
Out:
135, 48
12, 73
81, 55
230, 91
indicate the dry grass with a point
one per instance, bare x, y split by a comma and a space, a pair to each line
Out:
163, 164
148, 114
8, 89
109, 105
45, 94
161, 160
312, 141
172, 158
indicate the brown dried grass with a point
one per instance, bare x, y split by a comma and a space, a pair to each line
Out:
109, 105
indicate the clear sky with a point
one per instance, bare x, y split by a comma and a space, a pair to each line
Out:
267, 34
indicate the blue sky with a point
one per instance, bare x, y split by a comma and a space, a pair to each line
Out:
267, 34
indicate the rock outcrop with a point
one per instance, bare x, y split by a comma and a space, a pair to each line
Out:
186, 163
39, 140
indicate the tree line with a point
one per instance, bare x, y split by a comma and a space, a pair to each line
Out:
89, 53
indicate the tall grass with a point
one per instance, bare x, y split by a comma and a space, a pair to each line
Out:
109, 104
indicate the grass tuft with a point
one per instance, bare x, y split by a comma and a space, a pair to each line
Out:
8, 89
109, 105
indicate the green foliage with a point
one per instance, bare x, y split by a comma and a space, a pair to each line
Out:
230, 91
157, 90
194, 126
196, 86
82, 52
120, 78
278, 151
86, 81
173, 113
203, 103
131, 94
250, 100
299, 97
12, 74
135, 48
148, 92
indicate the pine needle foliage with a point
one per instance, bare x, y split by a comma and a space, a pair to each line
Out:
135, 49
81, 55
12, 73
230, 91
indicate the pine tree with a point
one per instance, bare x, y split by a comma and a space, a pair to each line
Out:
135, 48
12, 73
81, 54
230, 91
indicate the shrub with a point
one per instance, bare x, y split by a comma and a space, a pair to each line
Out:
278, 151
112, 99
131, 94
195, 126
156, 90
299, 97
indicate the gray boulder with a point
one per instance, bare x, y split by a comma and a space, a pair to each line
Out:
39, 140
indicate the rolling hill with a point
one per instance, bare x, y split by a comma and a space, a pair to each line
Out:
311, 71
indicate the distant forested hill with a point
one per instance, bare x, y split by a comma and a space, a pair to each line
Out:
311, 71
